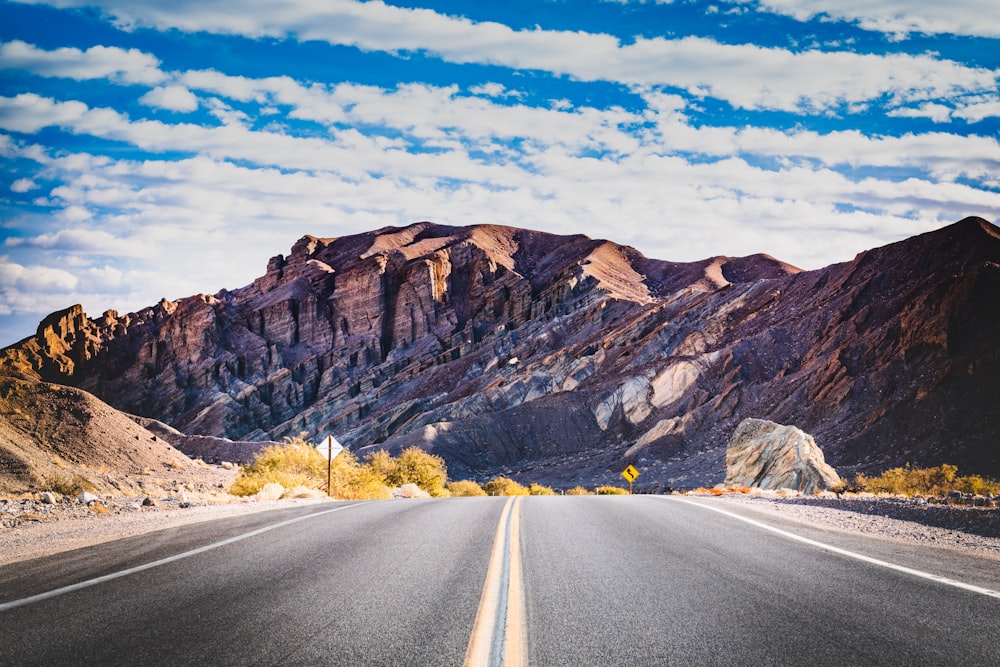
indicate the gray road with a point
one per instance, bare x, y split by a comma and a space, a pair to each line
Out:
606, 581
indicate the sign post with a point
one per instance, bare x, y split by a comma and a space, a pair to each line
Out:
332, 449
630, 473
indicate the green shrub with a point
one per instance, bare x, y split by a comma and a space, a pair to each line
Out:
502, 486
465, 487
611, 491
536, 489
579, 491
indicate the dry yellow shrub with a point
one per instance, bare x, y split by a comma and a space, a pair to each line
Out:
465, 487
502, 486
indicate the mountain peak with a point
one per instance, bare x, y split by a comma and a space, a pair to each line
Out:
974, 228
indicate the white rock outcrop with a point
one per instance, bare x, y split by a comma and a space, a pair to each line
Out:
632, 396
766, 455
86, 497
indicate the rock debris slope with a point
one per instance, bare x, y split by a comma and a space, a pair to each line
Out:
562, 358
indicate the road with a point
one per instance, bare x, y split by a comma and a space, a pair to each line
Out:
549, 580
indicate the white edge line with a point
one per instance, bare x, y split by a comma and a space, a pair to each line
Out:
14, 604
844, 552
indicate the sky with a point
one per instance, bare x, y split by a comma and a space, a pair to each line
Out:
164, 148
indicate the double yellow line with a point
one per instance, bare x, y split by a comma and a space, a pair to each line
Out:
498, 634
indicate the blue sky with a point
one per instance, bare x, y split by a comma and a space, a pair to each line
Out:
164, 148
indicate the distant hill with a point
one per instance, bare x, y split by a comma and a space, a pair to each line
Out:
562, 358
54, 437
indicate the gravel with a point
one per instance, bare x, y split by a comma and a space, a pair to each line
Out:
968, 529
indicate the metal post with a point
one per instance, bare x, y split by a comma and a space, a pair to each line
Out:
329, 465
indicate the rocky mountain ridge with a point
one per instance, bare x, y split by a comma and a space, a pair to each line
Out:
562, 358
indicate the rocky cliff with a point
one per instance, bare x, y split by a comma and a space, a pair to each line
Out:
561, 358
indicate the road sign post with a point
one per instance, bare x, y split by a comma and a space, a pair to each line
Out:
630, 473
331, 446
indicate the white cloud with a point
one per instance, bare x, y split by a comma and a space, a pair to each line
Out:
29, 112
493, 89
428, 112
978, 110
104, 279
457, 125
769, 78
980, 18
172, 98
29, 291
74, 214
744, 75
75, 240
938, 113
97, 62
23, 185
34, 278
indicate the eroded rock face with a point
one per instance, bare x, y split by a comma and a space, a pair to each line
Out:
765, 455
565, 358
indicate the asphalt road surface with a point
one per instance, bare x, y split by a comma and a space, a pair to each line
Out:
545, 580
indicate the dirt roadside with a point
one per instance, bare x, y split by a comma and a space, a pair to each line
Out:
73, 525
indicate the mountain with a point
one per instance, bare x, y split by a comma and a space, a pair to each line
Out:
562, 358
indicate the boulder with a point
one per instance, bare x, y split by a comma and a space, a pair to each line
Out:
410, 491
86, 498
270, 491
765, 455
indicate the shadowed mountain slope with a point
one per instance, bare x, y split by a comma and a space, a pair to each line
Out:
562, 358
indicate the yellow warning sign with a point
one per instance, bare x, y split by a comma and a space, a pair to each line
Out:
630, 473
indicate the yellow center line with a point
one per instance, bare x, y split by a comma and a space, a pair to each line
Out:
515, 641
502, 598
